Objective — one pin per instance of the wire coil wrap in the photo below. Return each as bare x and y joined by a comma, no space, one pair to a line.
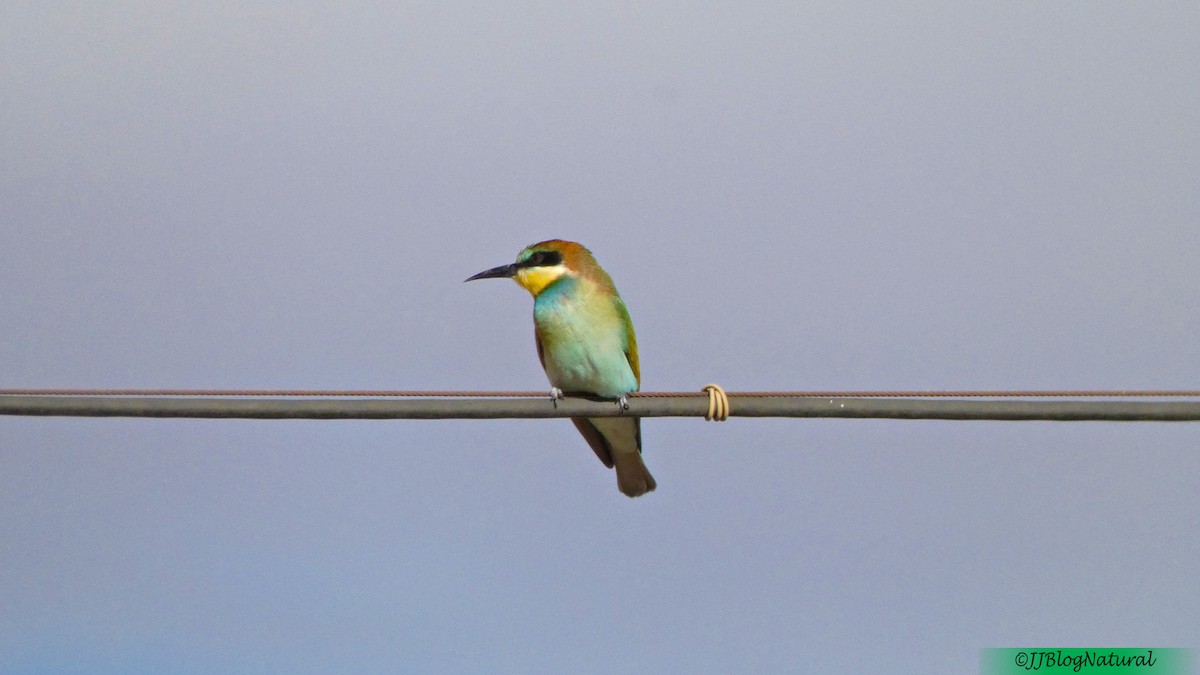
718,403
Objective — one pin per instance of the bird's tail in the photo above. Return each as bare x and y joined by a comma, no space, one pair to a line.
633,478
617,441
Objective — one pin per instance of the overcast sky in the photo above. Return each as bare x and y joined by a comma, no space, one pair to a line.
837,195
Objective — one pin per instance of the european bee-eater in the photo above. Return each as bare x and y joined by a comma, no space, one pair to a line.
586,345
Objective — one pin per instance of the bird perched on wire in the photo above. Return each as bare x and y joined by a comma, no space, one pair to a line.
586,344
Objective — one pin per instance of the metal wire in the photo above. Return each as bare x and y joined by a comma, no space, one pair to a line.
388,393
412,405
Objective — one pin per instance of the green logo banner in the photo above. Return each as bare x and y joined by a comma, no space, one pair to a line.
1096,661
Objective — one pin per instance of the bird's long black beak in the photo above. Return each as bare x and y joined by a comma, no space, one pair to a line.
502,271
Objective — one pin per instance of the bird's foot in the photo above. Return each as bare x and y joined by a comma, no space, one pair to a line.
623,402
556,395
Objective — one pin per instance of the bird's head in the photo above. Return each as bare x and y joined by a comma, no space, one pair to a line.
543,263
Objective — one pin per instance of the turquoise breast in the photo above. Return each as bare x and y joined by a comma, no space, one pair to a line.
583,340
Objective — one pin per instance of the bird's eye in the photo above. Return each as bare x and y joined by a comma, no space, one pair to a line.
537,258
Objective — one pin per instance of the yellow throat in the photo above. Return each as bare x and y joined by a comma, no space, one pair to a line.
536,279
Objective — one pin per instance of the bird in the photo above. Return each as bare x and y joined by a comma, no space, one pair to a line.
586,344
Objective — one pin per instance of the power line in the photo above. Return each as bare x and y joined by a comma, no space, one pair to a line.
420,393
143,403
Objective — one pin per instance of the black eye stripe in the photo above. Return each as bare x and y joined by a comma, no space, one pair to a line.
542,259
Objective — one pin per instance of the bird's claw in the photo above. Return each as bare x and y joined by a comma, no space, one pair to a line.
623,402
556,395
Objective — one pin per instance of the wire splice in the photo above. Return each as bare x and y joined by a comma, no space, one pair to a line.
718,403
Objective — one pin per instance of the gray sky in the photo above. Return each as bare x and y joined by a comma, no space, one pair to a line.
789,196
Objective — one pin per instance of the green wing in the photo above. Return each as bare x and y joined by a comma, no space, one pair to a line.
631,353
